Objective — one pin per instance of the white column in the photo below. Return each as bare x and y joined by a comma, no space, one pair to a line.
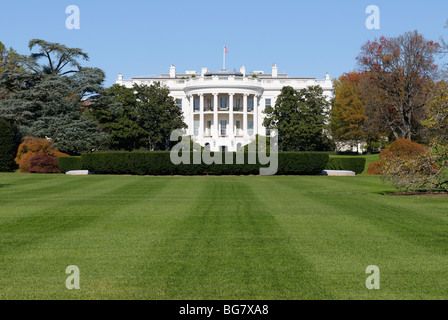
215,133
192,115
255,117
201,115
231,133
245,127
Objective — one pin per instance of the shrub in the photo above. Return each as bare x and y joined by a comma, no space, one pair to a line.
403,149
411,166
69,163
159,163
374,168
7,147
32,146
355,164
44,163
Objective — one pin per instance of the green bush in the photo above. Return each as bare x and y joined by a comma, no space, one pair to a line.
355,164
159,163
8,148
69,163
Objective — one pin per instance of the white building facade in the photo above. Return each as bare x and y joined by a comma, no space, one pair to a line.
224,109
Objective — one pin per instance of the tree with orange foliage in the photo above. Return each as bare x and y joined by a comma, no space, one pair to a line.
347,112
399,71
32,146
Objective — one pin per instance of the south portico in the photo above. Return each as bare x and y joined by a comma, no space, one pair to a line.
224,119
224,110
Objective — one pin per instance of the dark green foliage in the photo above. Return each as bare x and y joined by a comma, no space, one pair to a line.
69,163
47,98
44,163
8,148
159,163
142,116
299,116
355,164
301,163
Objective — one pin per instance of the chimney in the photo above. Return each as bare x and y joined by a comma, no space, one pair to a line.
173,71
119,79
274,71
243,70
203,71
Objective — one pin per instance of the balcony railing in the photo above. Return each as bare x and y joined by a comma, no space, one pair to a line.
235,109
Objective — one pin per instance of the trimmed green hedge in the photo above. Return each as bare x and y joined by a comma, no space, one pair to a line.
355,164
69,163
159,163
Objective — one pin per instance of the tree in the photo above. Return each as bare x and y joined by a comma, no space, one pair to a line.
7,58
350,122
399,72
48,99
117,113
159,115
300,118
7,62
142,116
435,122
347,117
7,147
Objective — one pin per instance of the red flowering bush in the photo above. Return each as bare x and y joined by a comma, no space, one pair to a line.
44,163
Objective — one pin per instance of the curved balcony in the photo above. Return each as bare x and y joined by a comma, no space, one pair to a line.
220,84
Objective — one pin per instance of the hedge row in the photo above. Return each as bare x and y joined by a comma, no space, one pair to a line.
69,163
355,164
159,163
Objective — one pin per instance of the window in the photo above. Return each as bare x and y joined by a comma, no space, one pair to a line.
237,105
223,103
250,129
179,103
208,130
238,128
250,104
209,102
223,148
267,103
196,127
223,127
196,104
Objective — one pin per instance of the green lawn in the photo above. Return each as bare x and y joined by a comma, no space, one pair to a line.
281,237
370,158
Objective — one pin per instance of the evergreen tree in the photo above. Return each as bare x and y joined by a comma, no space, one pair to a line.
48,99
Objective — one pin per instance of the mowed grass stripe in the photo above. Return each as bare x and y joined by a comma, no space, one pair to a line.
253,237
37,247
229,247
369,229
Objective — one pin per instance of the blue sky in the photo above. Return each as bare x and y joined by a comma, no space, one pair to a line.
305,38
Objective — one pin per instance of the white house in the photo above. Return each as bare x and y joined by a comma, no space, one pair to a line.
224,109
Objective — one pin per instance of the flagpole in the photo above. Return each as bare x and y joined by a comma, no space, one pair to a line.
224,58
